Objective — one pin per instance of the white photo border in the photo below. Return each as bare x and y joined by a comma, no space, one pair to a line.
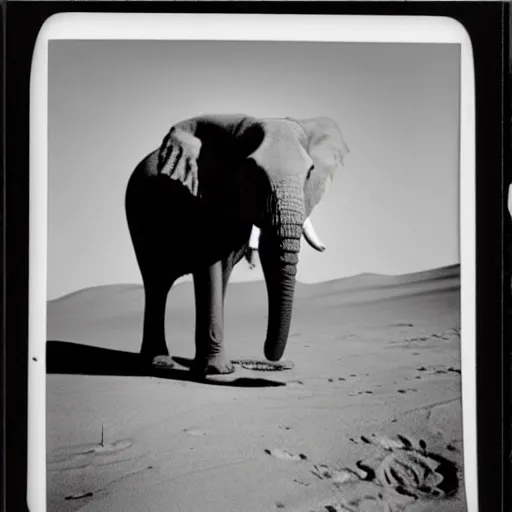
244,27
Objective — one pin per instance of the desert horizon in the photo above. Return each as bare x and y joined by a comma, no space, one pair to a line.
420,274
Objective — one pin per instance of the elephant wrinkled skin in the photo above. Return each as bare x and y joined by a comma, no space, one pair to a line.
191,206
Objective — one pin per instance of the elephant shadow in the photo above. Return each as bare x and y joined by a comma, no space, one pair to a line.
69,358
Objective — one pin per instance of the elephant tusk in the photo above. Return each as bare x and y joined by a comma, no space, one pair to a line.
311,237
509,202
255,238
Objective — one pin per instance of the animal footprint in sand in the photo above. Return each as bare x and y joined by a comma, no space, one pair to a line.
409,469
402,471
413,474
278,453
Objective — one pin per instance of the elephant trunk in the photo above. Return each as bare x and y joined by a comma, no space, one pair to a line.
279,249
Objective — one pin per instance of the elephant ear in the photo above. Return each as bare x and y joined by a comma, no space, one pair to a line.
327,148
177,158
222,137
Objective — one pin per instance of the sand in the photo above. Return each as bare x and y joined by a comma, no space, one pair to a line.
368,419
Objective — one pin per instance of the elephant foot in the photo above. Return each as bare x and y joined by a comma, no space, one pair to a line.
161,362
214,365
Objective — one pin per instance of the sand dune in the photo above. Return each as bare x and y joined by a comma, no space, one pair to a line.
368,419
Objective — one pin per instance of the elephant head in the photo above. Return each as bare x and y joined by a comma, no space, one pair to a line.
297,160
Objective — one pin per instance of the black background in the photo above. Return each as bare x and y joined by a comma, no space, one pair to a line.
487,24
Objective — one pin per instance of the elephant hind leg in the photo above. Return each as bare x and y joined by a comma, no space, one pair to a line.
209,337
154,347
228,265
227,268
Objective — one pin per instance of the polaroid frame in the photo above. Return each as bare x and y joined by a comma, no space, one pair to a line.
265,27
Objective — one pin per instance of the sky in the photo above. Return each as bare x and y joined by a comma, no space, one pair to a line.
392,210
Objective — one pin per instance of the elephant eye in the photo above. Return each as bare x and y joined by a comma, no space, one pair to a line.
311,169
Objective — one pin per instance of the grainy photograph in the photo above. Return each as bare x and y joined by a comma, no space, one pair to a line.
253,277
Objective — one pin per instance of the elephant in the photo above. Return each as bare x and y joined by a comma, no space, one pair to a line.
218,186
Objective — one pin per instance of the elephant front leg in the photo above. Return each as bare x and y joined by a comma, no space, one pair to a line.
209,337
